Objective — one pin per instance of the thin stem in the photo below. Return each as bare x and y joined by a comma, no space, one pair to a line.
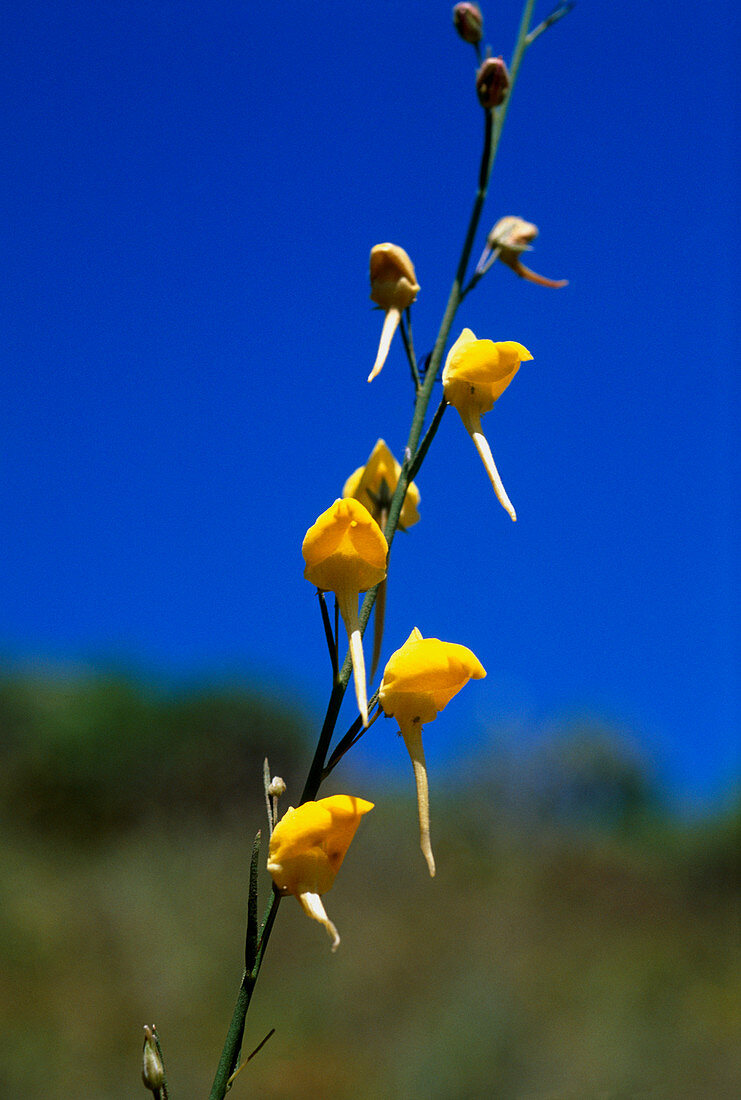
353,735
428,437
556,14
249,1057
406,334
492,132
250,942
233,1043
328,633
314,777
488,257
514,67
266,785
163,1093
378,625
230,1054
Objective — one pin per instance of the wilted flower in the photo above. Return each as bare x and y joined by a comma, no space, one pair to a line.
345,552
374,485
419,680
492,82
307,848
476,373
469,22
393,287
509,238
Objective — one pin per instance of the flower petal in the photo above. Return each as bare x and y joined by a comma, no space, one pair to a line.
345,549
313,907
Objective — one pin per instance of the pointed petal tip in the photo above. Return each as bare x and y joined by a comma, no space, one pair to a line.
390,325
482,446
313,907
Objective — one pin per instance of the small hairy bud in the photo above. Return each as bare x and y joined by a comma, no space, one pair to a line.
277,787
153,1072
492,82
469,22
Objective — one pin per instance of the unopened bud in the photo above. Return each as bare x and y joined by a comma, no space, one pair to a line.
394,287
277,787
492,82
153,1072
468,22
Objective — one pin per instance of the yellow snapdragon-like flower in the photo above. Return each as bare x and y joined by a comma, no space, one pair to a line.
476,373
345,552
307,848
394,287
419,680
374,485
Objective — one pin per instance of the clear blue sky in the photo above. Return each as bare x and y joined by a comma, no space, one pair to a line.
189,198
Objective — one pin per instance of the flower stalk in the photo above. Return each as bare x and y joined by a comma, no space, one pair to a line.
394,299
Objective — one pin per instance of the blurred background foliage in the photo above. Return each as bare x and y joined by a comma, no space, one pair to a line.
580,940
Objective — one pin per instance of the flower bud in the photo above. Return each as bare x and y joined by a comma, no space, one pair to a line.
394,287
277,787
469,22
153,1072
492,82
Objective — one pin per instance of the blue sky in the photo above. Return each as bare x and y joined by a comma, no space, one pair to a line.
190,196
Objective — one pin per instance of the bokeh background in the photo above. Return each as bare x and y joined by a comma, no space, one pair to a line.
189,200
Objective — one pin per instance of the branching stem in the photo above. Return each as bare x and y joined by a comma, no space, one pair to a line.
413,457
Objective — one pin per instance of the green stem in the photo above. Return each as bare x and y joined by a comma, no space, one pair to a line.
406,334
163,1093
235,1034
514,67
428,437
330,636
554,17
492,132
314,777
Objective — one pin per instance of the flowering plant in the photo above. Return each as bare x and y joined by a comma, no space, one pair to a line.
347,550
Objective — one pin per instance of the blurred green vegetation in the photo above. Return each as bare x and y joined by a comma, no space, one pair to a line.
577,942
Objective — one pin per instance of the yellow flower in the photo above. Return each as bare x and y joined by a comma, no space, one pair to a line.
419,680
307,848
476,373
345,552
375,483
394,287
